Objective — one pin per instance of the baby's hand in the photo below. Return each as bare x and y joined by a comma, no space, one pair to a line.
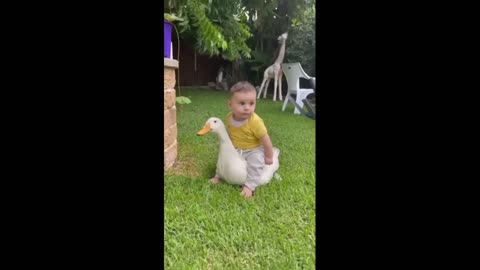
246,192
268,161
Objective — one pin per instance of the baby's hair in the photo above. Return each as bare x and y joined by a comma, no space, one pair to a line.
242,86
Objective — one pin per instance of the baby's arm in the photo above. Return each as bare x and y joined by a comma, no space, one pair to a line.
268,148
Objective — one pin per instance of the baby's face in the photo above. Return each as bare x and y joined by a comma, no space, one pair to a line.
242,104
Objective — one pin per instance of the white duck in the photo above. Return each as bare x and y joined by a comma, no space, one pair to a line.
231,166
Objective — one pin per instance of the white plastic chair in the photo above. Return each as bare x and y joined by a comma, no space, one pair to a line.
293,72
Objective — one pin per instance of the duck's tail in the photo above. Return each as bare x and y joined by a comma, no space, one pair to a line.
269,171
276,153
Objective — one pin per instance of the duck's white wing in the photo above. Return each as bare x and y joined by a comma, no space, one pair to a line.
269,170
232,168
237,175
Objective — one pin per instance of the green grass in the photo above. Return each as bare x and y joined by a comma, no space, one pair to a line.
213,227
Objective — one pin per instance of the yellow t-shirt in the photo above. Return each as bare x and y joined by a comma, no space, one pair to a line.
248,135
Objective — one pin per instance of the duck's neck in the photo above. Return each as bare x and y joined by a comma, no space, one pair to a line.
225,139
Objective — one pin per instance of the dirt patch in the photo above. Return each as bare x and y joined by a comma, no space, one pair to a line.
184,166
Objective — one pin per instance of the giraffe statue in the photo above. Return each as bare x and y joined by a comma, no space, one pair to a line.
275,72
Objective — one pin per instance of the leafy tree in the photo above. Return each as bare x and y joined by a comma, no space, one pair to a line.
271,19
301,41
246,32
217,27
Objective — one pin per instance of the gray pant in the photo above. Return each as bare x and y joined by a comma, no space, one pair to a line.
255,158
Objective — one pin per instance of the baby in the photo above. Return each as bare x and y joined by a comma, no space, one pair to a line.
248,134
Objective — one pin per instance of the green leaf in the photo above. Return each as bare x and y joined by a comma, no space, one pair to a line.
183,100
171,17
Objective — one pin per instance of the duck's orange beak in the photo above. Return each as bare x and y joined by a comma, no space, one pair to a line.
206,129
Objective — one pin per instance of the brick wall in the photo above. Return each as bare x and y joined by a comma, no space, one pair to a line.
169,113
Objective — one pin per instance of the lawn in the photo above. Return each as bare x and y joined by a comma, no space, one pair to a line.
210,226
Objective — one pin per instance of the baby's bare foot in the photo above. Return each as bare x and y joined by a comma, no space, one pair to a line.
215,180
246,192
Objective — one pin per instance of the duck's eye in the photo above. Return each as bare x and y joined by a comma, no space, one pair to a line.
214,121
